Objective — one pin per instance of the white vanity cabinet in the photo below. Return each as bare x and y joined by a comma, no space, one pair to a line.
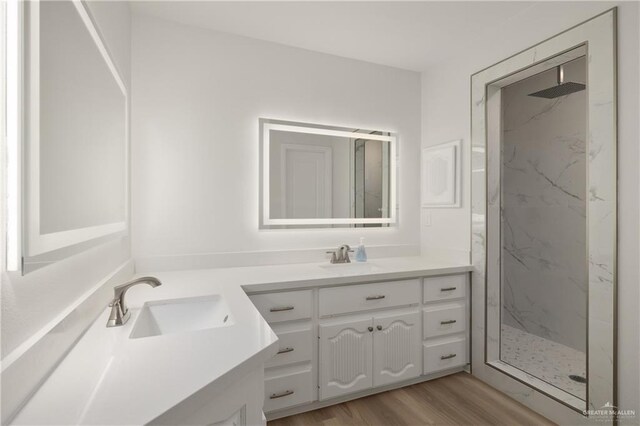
357,354
339,342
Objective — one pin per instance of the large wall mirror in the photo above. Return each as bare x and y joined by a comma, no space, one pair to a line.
76,135
314,175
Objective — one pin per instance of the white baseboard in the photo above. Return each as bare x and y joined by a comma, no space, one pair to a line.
145,264
25,368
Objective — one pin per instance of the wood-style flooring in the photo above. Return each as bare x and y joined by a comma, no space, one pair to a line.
459,399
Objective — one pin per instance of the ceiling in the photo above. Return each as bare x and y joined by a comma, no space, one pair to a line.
410,35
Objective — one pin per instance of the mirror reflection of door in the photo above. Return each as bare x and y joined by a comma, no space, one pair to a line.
310,174
306,177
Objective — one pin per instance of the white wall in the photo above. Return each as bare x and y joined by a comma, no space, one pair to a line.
446,116
197,97
32,302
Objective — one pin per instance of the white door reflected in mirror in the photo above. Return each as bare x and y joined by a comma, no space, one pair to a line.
316,175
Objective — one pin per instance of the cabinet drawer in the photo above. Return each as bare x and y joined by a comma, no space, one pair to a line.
446,354
445,288
286,306
295,344
287,388
355,298
442,319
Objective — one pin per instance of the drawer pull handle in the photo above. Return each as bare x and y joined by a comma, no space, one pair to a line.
378,297
448,289
448,356
281,394
285,350
448,322
283,308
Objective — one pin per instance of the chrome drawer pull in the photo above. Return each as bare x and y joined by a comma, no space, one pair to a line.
448,289
381,296
284,308
448,322
280,395
448,356
284,350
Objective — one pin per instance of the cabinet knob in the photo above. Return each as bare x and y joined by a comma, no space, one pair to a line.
370,328
379,327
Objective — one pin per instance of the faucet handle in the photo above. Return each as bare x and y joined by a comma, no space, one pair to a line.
333,256
118,315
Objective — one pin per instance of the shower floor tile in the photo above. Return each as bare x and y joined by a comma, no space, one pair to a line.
545,359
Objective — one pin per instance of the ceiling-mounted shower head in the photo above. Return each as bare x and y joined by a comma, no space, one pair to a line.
561,89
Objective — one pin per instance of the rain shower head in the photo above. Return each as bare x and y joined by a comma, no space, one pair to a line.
561,89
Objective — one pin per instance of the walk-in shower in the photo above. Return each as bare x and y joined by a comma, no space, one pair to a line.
543,184
543,226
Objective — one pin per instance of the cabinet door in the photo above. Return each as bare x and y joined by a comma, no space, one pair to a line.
396,347
345,357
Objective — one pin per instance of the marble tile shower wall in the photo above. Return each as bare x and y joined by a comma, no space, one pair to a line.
544,267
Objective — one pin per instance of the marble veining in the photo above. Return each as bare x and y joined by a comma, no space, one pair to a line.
543,206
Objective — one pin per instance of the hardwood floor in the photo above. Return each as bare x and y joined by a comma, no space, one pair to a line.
459,399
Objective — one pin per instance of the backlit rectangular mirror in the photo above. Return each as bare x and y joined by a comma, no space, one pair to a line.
76,145
325,176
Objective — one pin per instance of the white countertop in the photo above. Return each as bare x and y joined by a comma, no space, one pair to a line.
304,275
108,378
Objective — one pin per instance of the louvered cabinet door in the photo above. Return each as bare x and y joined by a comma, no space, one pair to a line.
345,357
397,347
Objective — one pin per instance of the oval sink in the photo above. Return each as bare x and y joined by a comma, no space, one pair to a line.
181,315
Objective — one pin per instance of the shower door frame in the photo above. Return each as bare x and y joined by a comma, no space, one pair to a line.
597,39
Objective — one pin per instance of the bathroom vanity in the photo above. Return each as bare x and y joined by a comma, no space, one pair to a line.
362,334
306,336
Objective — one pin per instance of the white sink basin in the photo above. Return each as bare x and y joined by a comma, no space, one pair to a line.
353,268
181,315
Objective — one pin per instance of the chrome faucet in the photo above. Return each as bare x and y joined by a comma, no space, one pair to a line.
119,312
341,255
